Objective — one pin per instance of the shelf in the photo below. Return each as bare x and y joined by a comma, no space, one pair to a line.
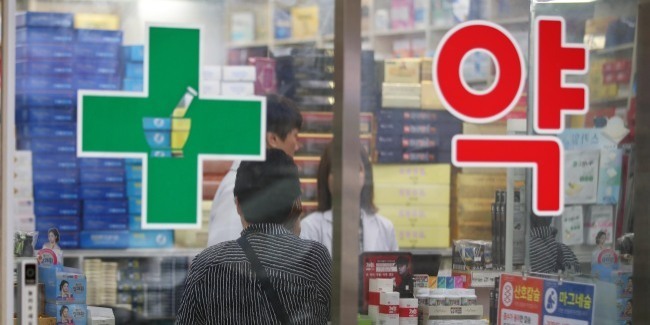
441,28
444,252
613,50
609,101
479,278
454,312
241,45
132,252
400,32
292,41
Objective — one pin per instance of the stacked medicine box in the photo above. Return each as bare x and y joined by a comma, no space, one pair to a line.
45,119
133,56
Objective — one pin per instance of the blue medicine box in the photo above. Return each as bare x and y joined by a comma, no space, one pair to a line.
105,207
66,224
94,67
67,239
44,19
99,83
134,189
61,130
57,208
31,35
133,173
102,191
158,139
118,222
156,124
64,176
135,222
151,239
45,115
63,285
101,163
56,192
46,99
44,51
133,161
48,161
130,84
32,67
44,83
116,239
105,175
77,312
97,51
133,53
99,36
135,205
134,70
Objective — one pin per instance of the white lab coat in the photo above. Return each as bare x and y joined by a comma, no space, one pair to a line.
378,232
225,223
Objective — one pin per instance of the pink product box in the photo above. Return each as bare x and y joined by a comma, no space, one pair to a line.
402,15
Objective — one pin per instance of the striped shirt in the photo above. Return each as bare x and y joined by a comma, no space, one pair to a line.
221,287
549,256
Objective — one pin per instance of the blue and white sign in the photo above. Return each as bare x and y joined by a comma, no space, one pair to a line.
568,303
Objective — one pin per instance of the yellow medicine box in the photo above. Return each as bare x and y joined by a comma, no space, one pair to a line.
416,215
412,174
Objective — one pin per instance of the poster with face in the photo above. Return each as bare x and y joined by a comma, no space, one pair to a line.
388,265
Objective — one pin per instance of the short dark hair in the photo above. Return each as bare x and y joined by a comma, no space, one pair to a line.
55,232
62,283
402,260
282,115
267,190
324,194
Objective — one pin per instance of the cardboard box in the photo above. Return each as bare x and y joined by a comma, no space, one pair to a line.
44,19
43,224
412,174
599,218
102,191
135,222
305,21
402,14
266,80
211,73
57,208
238,73
191,238
422,237
429,96
237,89
401,102
105,175
104,239
105,207
68,239
478,186
63,286
134,189
401,90
99,36
412,194
399,156
151,239
109,222
96,21
416,215
402,71
426,70
77,313
242,26
135,205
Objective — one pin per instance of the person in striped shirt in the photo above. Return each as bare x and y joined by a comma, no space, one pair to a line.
292,283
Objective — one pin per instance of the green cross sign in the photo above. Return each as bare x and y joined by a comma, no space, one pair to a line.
171,127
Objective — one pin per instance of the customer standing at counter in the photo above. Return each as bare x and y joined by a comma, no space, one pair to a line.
376,232
283,122
269,275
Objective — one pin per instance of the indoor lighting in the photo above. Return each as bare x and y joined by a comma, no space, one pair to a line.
563,1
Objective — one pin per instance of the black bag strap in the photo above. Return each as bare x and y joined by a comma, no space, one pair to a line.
268,288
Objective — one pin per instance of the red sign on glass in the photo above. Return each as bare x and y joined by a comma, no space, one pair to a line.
554,99
520,300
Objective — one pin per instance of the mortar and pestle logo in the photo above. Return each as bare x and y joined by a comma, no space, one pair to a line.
167,136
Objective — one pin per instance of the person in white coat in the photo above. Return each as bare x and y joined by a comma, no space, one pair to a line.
283,122
377,234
